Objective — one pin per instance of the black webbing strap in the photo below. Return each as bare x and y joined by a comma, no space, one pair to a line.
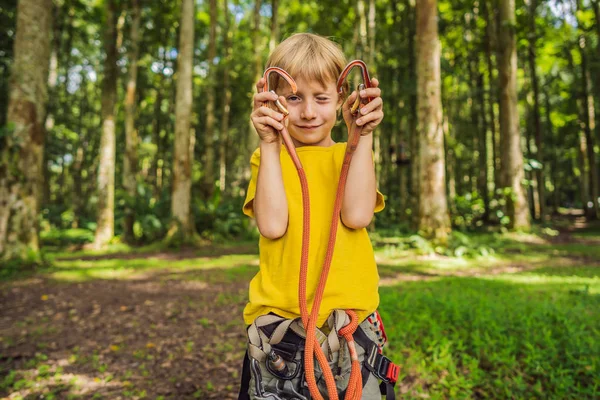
387,389
245,385
379,365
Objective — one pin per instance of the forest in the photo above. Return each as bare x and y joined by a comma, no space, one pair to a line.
125,145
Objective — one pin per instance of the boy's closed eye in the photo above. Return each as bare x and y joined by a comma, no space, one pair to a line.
296,98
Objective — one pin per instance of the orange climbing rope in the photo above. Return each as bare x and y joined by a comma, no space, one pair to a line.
309,320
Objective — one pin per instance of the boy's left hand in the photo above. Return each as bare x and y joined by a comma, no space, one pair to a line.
370,114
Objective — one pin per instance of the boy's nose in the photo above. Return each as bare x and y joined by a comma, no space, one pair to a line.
308,112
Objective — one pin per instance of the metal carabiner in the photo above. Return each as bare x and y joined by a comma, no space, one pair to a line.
261,394
288,79
366,82
357,132
287,140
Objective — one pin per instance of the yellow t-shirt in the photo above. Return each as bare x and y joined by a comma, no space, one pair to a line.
353,278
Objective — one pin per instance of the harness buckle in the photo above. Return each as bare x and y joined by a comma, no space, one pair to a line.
392,372
382,367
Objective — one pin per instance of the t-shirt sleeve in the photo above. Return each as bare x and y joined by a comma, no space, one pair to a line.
248,208
380,202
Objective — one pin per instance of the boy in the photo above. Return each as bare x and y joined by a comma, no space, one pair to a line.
274,198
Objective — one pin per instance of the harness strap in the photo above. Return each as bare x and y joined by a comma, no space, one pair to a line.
278,330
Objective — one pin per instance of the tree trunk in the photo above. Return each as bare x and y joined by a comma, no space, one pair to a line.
412,116
596,7
77,197
512,156
434,220
130,160
21,156
224,142
156,129
537,123
552,169
209,133
182,163
258,70
482,176
488,114
490,44
106,172
589,123
50,109
274,38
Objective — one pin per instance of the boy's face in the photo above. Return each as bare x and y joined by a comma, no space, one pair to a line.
313,112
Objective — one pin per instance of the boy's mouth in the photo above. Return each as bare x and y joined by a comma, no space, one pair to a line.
308,127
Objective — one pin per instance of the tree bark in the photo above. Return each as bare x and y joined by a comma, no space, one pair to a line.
182,163
224,142
596,7
552,170
537,122
274,38
258,70
106,172
130,160
363,41
434,221
412,116
209,133
589,123
22,154
50,107
490,44
77,197
482,176
512,156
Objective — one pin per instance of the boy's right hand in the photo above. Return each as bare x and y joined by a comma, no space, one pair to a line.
267,121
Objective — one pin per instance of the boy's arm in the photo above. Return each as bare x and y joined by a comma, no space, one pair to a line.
270,202
360,194
360,197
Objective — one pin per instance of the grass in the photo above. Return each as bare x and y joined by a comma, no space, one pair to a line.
529,335
514,316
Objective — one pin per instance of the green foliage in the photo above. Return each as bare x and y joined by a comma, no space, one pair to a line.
151,210
459,244
14,268
65,237
469,211
222,218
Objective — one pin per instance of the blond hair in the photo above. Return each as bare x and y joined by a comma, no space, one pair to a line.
310,56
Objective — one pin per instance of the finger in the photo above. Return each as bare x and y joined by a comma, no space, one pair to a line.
260,85
266,111
374,82
269,122
349,101
374,116
263,97
283,101
374,104
371,92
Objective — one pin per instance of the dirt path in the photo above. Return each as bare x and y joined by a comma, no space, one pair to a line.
181,339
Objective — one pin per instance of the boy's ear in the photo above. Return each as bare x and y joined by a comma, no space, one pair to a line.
339,102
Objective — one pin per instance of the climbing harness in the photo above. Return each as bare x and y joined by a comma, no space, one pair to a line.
287,335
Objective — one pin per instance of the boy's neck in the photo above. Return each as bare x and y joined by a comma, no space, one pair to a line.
327,142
